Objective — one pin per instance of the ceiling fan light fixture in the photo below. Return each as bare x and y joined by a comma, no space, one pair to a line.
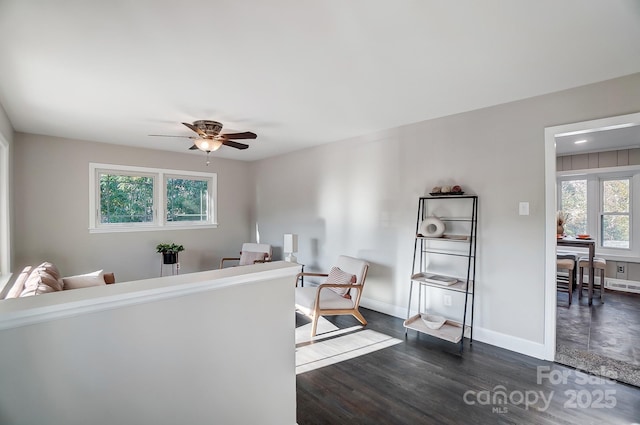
208,145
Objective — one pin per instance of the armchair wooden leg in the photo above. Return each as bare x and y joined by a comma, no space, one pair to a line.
314,325
360,317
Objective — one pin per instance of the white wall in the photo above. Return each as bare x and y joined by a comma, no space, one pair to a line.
6,195
6,130
51,210
359,197
205,348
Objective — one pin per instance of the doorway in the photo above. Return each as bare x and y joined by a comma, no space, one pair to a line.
580,316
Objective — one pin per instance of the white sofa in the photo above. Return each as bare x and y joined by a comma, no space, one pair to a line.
46,278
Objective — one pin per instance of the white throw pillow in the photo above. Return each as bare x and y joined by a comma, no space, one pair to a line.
84,280
337,275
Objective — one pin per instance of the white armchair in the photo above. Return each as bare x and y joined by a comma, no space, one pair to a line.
251,253
340,294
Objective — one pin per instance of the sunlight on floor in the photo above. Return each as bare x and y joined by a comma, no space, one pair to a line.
338,348
325,330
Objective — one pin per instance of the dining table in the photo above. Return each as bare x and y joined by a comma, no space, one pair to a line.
588,243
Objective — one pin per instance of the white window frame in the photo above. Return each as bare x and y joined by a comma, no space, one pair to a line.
594,178
601,213
165,190
159,196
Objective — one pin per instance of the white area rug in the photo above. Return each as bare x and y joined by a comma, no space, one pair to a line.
325,330
339,345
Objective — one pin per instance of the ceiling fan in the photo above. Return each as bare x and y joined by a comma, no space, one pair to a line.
209,139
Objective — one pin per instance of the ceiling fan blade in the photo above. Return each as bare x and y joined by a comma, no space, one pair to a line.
192,148
233,144
194,128
238,136
168,135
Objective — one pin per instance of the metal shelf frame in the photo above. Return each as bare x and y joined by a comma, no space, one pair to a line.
423,248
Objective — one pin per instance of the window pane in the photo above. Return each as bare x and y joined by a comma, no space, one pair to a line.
615,196
126,198
574,206
187,200
615,209
615,231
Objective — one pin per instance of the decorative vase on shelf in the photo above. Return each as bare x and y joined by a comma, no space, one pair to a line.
432,227
561,218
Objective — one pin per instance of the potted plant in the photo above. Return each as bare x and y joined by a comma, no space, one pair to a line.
169,252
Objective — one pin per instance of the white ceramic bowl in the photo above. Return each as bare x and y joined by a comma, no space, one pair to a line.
432,321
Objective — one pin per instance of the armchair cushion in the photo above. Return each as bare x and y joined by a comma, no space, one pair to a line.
257,247
329,300
337,275
249,257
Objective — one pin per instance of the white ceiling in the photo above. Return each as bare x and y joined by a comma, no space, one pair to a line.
599,140
297,73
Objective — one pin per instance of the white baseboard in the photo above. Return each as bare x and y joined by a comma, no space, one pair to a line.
508,342
379,306
622,285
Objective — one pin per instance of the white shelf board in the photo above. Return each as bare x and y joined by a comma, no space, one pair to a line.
445,237
455,218
459,285
451,330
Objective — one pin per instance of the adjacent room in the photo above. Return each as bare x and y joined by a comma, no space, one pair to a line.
597,175
319,213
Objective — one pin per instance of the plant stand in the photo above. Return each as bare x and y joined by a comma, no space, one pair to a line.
170,259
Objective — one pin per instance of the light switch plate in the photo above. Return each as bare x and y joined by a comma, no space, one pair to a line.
524,208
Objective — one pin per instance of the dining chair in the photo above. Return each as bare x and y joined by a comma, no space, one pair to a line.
573,256
598,264
565,284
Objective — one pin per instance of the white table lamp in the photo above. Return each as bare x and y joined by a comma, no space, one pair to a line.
290,246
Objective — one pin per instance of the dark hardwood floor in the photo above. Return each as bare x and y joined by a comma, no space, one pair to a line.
423,380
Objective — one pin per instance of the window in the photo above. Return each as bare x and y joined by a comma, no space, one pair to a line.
125,198
187,199
573,203
136,198
601,204
615,217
